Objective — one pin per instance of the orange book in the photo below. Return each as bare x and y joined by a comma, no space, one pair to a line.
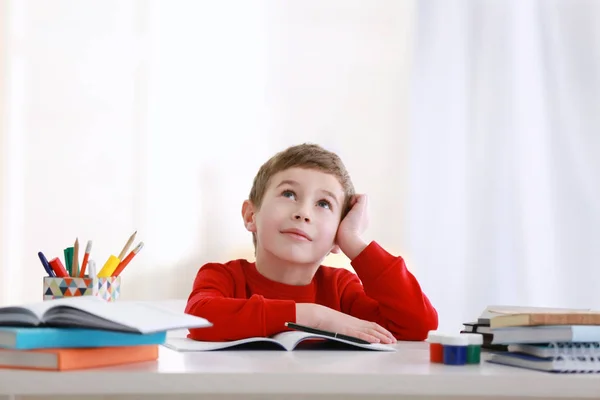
76,358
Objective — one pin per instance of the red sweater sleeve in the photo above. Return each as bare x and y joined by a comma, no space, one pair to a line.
389,295
213,298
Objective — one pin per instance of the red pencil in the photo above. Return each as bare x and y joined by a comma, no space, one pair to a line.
127,259
88,249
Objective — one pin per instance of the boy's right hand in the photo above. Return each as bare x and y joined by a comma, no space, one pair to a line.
327,319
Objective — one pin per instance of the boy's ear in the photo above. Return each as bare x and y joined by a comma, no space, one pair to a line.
248,214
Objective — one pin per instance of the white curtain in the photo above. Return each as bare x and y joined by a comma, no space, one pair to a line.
155,115
504,192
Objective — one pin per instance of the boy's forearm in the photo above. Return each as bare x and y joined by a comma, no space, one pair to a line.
234,319
353,247
307,314
403,307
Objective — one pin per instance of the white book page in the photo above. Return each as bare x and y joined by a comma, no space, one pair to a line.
138,315
370,346
143,317
41,307
186,344
287,340
290,339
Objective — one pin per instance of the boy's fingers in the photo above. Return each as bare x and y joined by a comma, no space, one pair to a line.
366,336
385,332
382,338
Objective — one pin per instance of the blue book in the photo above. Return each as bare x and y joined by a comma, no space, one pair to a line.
24,338
546,334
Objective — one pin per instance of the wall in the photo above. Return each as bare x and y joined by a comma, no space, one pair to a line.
155,116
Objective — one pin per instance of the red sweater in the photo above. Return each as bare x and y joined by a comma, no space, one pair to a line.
242,303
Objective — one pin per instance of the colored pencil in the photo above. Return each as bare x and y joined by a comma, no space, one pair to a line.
86,256
127,259
127,246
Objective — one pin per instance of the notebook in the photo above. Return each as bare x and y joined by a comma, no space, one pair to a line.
25,338
288,340
95,313
564,363
557,349
546,334
73,359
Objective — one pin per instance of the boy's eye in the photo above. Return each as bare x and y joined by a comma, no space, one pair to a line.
288,193
324,204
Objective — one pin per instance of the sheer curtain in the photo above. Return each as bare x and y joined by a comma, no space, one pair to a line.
123,115
504,200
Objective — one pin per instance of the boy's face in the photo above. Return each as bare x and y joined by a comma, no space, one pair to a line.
299,215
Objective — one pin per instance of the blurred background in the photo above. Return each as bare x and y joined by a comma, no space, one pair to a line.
474,126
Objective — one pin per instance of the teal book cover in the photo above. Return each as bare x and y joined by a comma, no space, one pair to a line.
27,338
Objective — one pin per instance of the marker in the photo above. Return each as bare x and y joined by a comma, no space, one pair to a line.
109,267
69,260
92,269
58,268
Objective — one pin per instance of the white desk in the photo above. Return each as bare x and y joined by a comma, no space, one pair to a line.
298,375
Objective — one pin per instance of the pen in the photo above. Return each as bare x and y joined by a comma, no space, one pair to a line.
325,333
46,265
88,250
127,259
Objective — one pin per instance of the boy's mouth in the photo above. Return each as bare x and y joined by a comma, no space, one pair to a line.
297,233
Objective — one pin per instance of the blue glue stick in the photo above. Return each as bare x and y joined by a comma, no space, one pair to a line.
455,349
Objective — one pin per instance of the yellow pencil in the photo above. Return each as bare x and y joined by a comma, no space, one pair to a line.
127,246
76,258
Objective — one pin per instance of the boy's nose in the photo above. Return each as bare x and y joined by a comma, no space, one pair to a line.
301,216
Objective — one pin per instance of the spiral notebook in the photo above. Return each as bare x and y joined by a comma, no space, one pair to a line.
552,357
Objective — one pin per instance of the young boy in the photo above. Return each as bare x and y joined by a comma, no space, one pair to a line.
301,207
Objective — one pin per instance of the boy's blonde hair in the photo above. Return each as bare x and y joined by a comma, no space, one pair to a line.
308,156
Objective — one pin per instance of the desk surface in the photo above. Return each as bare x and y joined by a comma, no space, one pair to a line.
406,372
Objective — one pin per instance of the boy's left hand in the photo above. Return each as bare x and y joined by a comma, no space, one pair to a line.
349,233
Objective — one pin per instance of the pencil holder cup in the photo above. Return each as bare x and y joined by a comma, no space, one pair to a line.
107,289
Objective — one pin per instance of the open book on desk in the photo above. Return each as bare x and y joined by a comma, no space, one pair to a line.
94,313
288,340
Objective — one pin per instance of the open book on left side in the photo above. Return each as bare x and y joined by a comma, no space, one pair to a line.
288,340
95,313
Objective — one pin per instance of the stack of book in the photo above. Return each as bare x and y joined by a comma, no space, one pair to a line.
482,326
85,332
553,340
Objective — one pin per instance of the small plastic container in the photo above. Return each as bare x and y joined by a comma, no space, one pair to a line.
436,348
474,347
455,349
